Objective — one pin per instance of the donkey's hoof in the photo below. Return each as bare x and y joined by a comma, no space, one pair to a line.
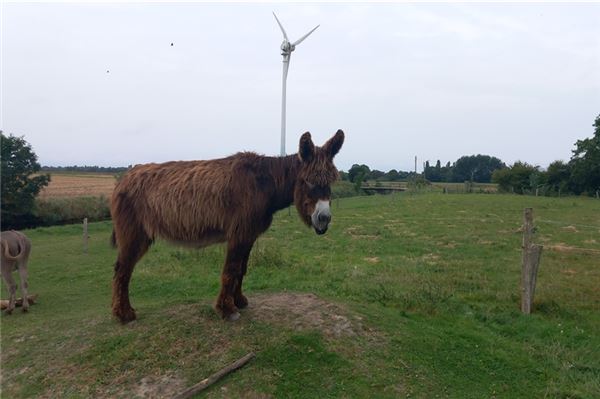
125,316
9,311
233,317
25,310
241,302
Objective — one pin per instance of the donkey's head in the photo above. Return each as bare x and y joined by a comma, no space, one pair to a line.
312,192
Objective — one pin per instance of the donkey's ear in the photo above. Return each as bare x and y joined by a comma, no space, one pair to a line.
333,145
307,148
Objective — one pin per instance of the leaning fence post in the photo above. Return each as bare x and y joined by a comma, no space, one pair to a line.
531,260
85,235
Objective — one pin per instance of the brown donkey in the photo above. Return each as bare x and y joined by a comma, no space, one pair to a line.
233,199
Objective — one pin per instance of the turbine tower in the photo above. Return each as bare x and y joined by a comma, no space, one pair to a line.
286,52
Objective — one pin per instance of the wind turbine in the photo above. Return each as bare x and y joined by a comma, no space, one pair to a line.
286,52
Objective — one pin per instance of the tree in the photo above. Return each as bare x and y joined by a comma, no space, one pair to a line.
434,173
19,183
558,176
520,177
392,175
478,168
359,170
585,163
377,174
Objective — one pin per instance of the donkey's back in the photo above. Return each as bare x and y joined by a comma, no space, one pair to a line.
191,202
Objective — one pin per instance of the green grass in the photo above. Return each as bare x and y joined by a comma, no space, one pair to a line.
429,283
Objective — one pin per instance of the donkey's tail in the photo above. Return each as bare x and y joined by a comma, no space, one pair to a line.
113,239
7,254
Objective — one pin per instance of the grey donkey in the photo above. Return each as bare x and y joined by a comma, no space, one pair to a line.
15,249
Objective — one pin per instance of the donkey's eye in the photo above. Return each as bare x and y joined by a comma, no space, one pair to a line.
310,186
318,191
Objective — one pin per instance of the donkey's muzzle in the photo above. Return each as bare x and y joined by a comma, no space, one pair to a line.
319,231
321,217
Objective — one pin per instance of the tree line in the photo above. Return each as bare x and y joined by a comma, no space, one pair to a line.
475,168
86,168
579,176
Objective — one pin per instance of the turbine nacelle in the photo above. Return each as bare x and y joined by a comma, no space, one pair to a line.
287,48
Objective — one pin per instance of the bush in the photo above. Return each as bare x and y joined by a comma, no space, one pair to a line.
54,211
520,178
344,189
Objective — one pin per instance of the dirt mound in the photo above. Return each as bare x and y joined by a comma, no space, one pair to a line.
304,312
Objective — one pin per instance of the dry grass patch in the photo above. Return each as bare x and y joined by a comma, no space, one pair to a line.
571,229
68,185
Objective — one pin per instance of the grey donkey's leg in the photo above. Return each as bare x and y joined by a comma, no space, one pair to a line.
24,286
10,284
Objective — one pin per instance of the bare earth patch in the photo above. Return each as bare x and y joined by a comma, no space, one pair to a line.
569,272
304,311
165,386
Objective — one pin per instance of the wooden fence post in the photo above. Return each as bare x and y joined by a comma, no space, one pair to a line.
531,260
85,235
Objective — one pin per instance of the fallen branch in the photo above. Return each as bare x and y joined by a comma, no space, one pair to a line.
202,385
19,302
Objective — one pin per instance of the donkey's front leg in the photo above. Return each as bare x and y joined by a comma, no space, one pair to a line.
240,299
231,279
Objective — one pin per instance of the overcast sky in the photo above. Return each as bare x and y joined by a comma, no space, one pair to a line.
100,84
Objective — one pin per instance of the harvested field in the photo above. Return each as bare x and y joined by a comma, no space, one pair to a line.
77,185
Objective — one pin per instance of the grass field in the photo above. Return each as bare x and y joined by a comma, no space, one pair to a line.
78,184
405,296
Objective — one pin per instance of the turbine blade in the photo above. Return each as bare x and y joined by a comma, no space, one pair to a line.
297,42
281,27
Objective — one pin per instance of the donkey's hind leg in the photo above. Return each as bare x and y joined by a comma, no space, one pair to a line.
7,268
24,285
231,277
131,250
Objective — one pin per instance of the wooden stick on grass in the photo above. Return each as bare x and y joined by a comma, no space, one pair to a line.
18,302
202,385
